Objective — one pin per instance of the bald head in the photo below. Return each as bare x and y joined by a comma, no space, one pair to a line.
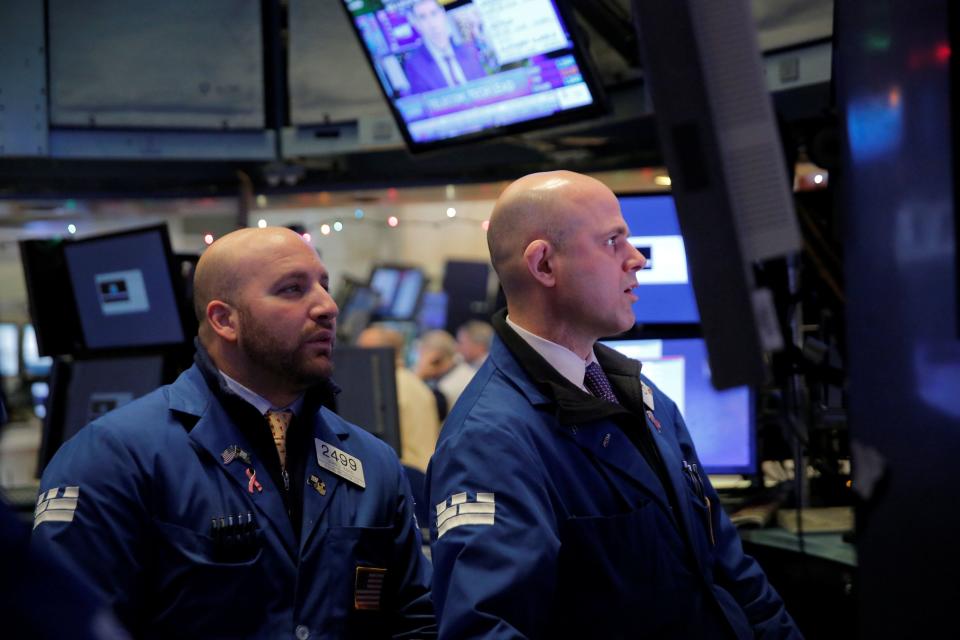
229,262
539,206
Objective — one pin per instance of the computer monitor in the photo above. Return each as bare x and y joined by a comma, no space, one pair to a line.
399,289
665,293
83,390
127,290
461,71
356,311
34,365
433,311
721,423
9,349
368,396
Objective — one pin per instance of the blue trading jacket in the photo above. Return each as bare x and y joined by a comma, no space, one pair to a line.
134,503
550,524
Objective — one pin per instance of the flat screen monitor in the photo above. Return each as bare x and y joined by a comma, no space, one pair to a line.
83,390
398,290
368,396
459,70
34,365
721,423
127,289
9,349
356,311
665,293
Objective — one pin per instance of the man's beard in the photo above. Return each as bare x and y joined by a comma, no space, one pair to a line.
260,346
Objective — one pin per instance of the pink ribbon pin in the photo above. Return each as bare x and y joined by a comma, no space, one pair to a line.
253,484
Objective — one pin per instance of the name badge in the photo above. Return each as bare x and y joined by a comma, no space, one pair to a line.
647,396
340,462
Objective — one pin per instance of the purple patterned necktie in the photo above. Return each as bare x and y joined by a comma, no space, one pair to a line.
596,382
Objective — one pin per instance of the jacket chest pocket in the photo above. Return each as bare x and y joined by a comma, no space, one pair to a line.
193,571
616,570
354,565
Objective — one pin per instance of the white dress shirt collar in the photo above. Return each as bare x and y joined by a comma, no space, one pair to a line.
262,404
566,362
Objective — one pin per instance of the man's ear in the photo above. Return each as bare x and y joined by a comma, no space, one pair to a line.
222,318
538,257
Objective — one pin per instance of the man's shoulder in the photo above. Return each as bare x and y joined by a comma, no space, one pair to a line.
137,419
360,440
492,402
127,437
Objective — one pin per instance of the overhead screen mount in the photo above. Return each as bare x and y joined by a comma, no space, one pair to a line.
455,72
716,127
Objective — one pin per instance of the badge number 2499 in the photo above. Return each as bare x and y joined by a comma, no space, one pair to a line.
340,462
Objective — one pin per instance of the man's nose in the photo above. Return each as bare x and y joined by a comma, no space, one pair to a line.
636,261
323,305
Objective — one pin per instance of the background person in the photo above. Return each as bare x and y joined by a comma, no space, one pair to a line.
473,342
440,366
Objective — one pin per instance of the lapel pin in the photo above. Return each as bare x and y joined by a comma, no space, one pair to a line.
319,485
253,484
234,452
654,420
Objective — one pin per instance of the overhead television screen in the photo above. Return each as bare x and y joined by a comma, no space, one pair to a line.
465,69
721,423
665,293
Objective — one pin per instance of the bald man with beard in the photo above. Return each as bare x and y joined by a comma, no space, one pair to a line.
569,498
233,502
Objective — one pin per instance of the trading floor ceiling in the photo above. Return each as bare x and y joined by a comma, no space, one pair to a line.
625,137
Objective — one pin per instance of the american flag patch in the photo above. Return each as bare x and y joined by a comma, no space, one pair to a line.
368,588
56,505
458,510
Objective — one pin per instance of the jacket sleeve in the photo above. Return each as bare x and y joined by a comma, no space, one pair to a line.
738,573
413,611
90,515
494,537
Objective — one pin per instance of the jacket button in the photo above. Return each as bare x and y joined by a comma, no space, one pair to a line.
302,632
606,440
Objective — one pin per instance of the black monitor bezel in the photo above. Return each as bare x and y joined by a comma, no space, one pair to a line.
599,106
50,297
381,360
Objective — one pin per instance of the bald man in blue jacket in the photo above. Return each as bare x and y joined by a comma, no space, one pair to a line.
567,495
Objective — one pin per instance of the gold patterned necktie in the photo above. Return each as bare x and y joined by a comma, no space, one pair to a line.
279,421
